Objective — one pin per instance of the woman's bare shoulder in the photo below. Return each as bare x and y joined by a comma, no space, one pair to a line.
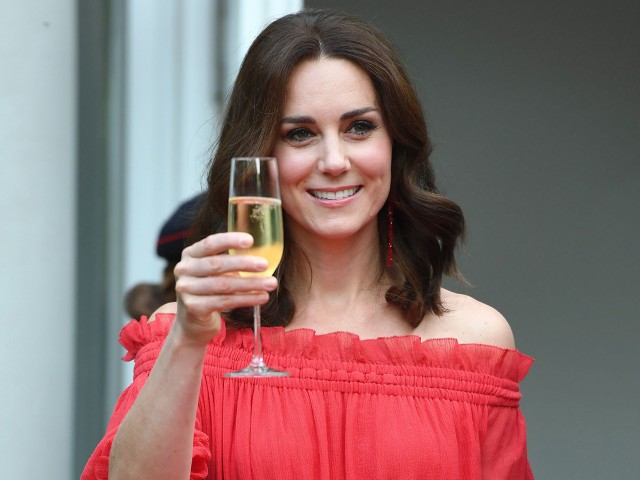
476,322
166,308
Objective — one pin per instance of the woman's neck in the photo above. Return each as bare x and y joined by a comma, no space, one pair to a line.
336,266
338,285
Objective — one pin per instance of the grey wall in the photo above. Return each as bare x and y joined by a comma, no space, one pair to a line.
534,112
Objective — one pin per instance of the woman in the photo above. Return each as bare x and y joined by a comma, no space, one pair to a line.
391,375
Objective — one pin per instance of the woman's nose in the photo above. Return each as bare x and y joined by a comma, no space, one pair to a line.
334,159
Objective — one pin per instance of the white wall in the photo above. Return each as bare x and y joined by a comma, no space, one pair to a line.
37,205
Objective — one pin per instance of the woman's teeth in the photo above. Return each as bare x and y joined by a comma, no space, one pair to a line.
334,195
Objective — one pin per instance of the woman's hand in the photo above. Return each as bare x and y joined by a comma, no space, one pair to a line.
208,283
155,439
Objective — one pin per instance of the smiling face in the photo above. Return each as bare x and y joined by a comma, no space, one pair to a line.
333,151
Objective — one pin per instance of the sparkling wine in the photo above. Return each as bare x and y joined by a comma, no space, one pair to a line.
262,218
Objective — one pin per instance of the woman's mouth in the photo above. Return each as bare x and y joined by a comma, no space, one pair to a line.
334,195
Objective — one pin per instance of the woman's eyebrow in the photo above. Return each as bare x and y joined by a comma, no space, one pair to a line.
357,112
345,116
302,119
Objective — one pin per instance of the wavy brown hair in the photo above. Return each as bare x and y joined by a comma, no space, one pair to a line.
427,225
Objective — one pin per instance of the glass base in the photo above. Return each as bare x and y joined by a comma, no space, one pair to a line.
253,371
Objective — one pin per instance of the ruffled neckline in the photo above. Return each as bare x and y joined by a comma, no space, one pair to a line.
344,347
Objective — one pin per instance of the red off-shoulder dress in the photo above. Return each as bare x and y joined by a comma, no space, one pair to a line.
388,408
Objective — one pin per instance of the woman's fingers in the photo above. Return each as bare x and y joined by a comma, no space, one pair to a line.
224,285
208,279
208,257
218,243
219,264
199,307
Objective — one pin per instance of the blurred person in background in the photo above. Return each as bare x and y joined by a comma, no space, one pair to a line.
145,298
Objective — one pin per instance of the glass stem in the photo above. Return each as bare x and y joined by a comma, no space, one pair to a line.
257,361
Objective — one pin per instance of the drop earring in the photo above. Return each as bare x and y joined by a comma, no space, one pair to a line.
389,235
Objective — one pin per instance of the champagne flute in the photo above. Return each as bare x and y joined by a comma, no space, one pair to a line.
255,208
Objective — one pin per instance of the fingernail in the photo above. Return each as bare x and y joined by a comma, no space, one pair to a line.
270,283
245,241
262,263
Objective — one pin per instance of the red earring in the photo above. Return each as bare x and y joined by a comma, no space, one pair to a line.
389,235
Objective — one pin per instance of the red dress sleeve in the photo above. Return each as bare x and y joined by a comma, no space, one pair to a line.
504,450
504,444
143,342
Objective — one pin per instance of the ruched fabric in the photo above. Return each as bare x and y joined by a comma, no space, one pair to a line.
387,408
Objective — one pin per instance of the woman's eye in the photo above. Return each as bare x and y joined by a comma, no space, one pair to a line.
299,135
361,128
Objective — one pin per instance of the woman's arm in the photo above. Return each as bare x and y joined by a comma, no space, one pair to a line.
155,439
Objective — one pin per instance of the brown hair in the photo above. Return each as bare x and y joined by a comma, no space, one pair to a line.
427,225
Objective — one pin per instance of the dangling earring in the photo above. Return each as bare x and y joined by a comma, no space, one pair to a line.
389,235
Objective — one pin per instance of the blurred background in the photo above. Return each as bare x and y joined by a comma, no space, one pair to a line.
109,110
